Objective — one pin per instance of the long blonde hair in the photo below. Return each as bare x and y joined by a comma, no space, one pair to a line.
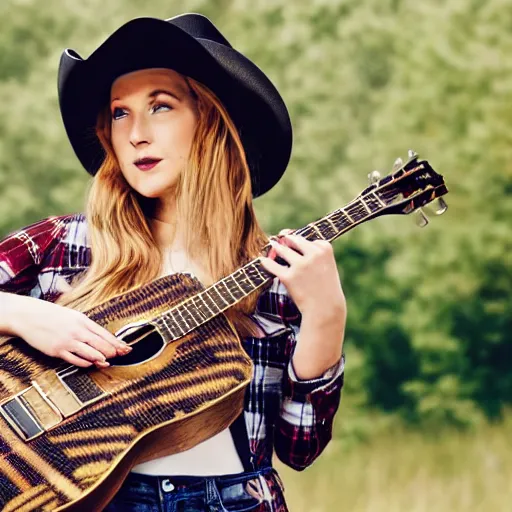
213,195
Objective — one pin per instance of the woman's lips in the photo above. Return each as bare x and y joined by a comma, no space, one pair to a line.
146,166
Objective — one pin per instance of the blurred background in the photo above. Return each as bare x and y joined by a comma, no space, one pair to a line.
425,420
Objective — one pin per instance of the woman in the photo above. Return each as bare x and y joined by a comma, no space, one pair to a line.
180,132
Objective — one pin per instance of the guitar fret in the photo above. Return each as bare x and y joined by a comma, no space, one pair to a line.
188,316
175,324
379,200
357,211
235,280
168,319
366,206
320,235
233,287
222,300
352,212
231,299
173,330
228,295
327,226
345,219
178,311
328,219
349,217
160,322
260,275
202,305
249,275
208,306
197,305
248,281
371,203
307,231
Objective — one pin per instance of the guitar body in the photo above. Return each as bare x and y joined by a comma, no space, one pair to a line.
69,435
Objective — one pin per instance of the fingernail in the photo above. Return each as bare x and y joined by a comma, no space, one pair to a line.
103,363
127,349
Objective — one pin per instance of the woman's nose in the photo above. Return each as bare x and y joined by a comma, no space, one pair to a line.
140,131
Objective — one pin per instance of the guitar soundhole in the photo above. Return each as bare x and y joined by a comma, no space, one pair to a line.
146,344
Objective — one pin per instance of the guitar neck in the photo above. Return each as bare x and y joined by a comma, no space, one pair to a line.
344,219
407,189
233,288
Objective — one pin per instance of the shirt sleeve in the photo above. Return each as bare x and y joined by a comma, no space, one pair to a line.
304,426
22,253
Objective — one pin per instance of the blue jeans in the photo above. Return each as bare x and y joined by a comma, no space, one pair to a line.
244,492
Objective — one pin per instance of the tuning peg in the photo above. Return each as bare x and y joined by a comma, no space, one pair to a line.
441,206
421,218
412,154
374,177
398,163
437,207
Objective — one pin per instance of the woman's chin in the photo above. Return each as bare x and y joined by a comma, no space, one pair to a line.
154,192
151,194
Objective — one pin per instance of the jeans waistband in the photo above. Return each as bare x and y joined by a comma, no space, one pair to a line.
171,482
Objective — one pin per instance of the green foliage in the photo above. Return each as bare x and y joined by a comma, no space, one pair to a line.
429,310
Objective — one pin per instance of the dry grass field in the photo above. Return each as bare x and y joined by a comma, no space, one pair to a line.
407,472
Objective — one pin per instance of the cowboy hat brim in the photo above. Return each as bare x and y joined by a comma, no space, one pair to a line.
250,98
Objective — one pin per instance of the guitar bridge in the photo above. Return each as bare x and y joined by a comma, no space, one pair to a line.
23,419
32,412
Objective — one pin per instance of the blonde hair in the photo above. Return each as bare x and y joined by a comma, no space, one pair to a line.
213,195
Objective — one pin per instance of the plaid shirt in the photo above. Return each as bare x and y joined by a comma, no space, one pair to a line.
282,413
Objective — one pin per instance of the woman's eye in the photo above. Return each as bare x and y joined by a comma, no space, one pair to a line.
118,112
158,106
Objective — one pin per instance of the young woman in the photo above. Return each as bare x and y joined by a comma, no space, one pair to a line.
181,132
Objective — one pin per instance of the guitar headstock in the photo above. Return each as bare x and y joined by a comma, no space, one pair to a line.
408,188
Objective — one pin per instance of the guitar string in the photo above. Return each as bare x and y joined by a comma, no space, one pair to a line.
357,214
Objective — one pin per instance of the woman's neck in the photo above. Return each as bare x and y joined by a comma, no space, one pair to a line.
164,223
166,234
166,210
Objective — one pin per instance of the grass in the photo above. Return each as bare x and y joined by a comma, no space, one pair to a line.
402,471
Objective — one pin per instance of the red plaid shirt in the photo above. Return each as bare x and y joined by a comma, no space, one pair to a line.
292,417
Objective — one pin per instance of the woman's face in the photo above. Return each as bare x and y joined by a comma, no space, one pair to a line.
153,117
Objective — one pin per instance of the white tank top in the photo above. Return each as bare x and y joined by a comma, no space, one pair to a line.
215,456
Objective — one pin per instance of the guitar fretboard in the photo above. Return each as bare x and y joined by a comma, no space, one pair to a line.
225,293
205,305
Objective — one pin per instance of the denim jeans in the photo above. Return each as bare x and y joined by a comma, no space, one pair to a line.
245,492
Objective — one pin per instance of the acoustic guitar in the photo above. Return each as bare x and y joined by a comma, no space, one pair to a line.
70,435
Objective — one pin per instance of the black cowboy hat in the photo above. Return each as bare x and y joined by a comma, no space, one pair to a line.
191,45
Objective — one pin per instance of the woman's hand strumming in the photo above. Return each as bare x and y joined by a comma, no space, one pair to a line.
62,332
